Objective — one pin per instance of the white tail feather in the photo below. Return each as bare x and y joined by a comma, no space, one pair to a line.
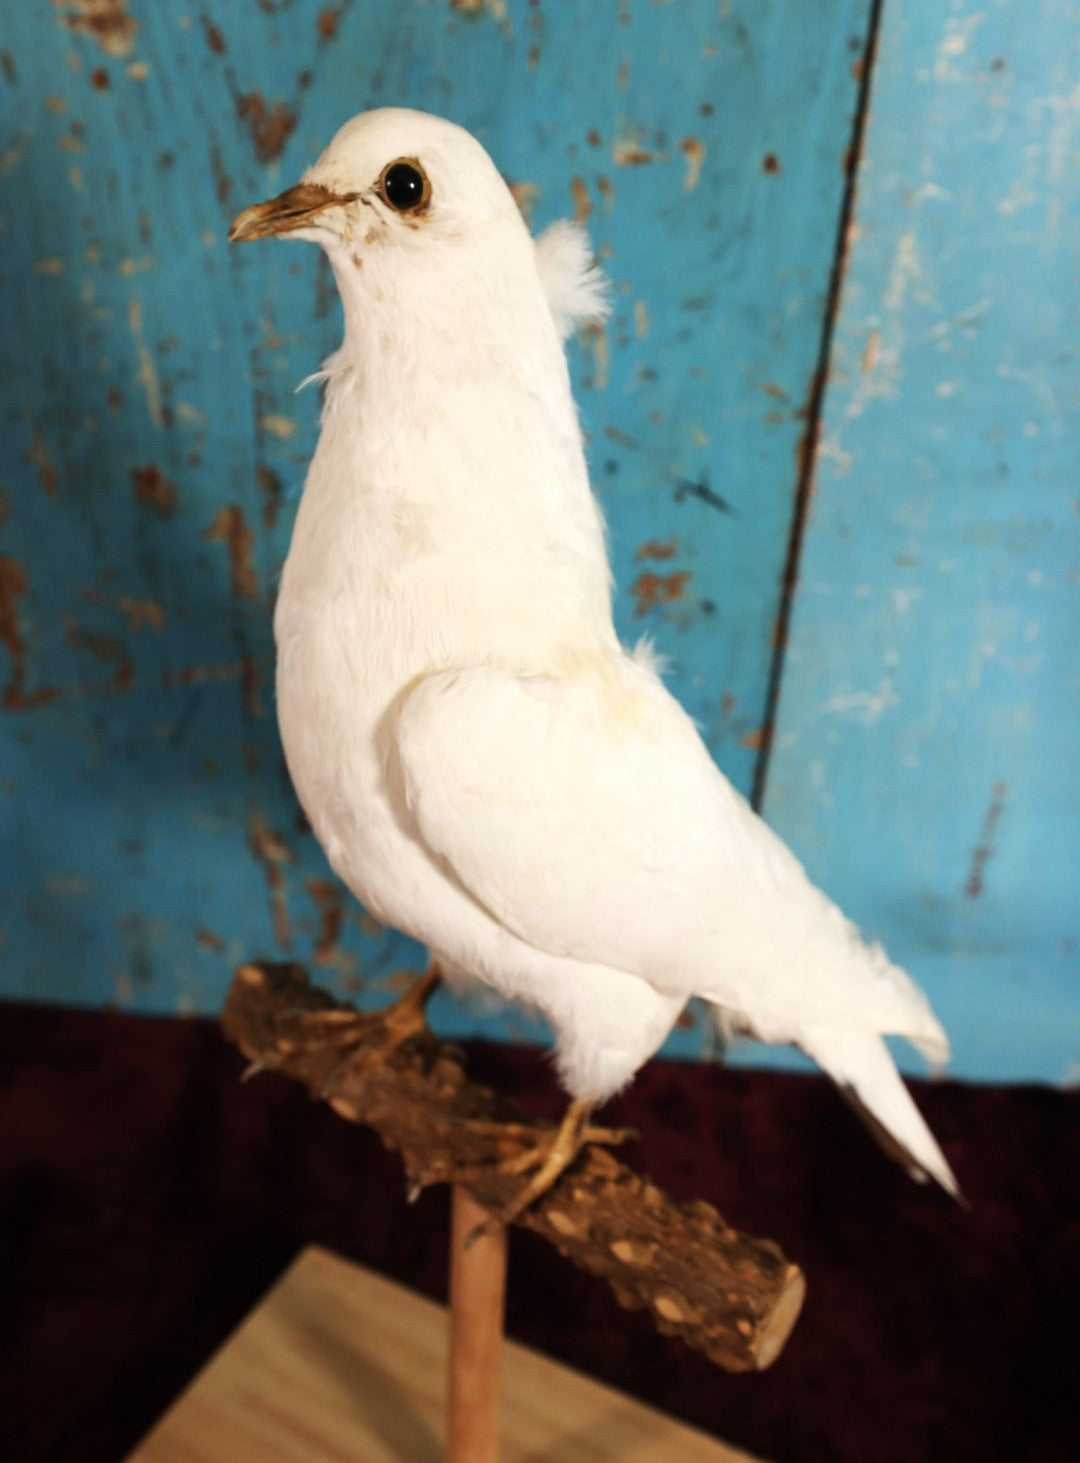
864,1071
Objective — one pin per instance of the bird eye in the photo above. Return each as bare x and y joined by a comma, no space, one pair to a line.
404,185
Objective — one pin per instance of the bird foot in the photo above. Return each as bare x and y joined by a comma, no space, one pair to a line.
539,1143
267,1062
353,1031
549,1155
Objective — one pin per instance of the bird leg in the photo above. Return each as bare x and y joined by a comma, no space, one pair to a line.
407,1015
530,1133
550,1157
351,1031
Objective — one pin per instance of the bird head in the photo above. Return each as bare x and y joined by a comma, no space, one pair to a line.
393,181
428,245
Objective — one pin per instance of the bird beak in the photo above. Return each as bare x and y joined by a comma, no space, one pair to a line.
291,210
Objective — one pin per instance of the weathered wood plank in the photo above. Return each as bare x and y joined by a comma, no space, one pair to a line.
927,741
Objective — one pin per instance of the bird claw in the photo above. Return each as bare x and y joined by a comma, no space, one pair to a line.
530,1132
266,1062
354,1060
609,1137
548,1157
352,1031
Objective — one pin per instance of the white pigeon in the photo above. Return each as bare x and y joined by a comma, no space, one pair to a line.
486,767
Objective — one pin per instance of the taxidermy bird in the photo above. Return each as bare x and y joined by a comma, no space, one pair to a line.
486,767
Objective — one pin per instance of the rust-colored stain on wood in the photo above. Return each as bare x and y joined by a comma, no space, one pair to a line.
328,900
249,687
266,845
495,8
595,340
140,612
272,853
327,22
582,201
222,181
214,38
231,528
152,488
693,149
106,648
38,454
106,20
627,153
525,195
270,486
652,590
13,586
271,127
657,548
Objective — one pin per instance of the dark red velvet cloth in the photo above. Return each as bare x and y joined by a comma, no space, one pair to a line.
148,1198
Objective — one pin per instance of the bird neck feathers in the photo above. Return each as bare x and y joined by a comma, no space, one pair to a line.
450,437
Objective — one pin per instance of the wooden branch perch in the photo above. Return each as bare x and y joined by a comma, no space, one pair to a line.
734,1297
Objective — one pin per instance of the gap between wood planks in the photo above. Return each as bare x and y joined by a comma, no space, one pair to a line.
807,449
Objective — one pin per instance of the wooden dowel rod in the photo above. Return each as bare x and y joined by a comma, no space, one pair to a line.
477,1294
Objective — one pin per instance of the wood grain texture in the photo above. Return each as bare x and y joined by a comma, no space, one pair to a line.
925,762
153,445
338,1363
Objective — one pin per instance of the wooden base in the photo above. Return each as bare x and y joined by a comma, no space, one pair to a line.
337,1363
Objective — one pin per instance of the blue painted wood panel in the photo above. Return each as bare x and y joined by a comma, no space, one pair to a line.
153,445
927,745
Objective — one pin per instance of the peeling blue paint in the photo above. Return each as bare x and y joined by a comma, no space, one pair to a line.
927,741
153,446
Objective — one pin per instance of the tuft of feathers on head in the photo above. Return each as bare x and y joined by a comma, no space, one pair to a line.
578,293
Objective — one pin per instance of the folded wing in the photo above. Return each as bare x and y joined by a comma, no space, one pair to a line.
585,813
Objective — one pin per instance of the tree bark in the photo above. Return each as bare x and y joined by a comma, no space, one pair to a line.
732,1296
